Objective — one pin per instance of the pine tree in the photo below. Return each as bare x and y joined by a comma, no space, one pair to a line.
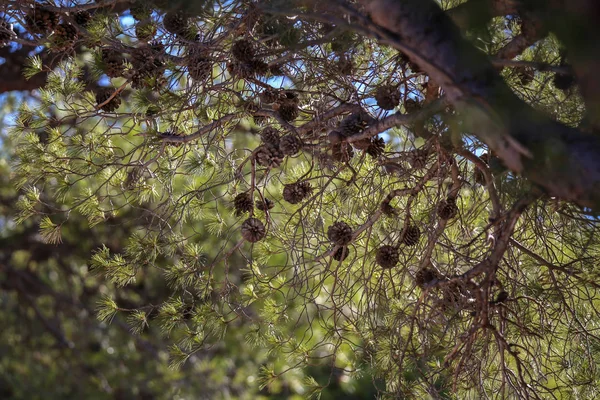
310,176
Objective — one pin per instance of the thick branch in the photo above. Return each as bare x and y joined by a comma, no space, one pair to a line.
477,12
560,159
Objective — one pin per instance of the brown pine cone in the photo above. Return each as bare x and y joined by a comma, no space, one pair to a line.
340,233
253,230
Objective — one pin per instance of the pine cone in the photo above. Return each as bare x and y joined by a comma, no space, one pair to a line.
411,235
412,105
294,193
376,148
177,23
268,156
7,34
259,67
64,37
82,18
42,21
426,275
243,50
148,65
104,94
113,63
265,205
243,203
418,158
287,106
447,209
253,230
342,152
290,145
340,233
563,81
387,209
289,112
341,254
387,256
270,137
387,97
355,123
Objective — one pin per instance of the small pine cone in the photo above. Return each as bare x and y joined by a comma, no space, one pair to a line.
341,254
265,205
563,81
243,50
7,34
342,152
340,233
145,32
287,106
258,67
64,37
294,193
176,23
290,145
82,18
411,235
277,70
376,148
270,137
114,63
253,230
355,123
387,209
447,209
418,158
289,112
39,20
268,156
387,97
243,203
412,105
199,65
387,256
104,94
426,275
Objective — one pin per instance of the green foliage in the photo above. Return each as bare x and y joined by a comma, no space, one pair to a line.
189,307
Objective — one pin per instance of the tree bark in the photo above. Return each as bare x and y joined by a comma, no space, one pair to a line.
563,161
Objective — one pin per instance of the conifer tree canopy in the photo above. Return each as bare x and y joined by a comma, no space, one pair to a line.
401,193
